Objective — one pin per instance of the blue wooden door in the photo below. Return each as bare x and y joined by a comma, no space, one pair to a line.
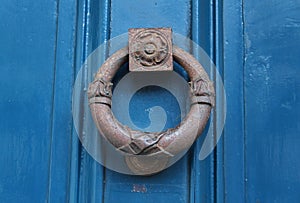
255,46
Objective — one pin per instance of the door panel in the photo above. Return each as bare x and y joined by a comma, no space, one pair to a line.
27,56
255,46
233,151
60,156
174,184
272,88
261,136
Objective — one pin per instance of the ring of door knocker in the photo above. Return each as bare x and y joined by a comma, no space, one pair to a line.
151,49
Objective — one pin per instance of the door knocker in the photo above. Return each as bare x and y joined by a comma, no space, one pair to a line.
151,49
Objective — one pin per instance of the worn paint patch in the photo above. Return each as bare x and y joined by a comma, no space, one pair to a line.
139,188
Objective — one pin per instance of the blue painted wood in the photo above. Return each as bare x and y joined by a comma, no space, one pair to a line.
92,30
218,46
62,115
42,47
202,177
172,185
272,105
72,174
150,14
28,58
233,152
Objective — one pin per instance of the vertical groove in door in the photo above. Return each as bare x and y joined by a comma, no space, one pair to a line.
62,118
76,145
203,172
243,36
234,166
86,179
50,163
219,62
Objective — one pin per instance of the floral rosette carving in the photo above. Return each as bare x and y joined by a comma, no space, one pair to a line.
150,49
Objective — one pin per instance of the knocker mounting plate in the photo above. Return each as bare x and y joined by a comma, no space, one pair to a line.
150,49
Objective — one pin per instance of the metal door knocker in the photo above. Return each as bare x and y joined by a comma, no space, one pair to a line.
151,49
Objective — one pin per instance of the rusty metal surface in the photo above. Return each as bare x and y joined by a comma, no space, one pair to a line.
147,152
150,49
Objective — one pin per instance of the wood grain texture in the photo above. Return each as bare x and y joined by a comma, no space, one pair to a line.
28,58
61,134
233,152
272,105
86,181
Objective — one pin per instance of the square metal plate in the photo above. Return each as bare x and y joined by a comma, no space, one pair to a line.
150,49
